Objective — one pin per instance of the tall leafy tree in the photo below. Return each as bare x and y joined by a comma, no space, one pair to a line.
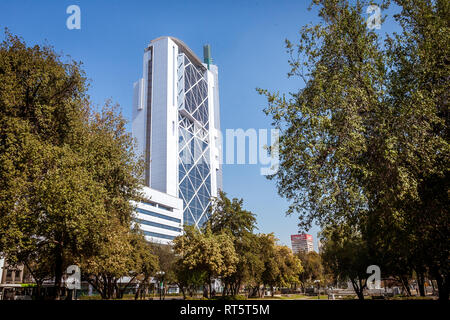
49,200
290,267
124,253
228,215
346,255
365,142
312,268
68,173
213,254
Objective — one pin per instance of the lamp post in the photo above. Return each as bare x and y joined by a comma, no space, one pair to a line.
160,274
318,288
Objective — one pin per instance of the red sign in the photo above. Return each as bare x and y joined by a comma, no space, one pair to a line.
301,237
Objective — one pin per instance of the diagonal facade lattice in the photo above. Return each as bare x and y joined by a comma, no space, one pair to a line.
194,171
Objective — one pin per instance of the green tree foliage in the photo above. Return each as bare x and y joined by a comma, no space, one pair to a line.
147,262
229,216
313,268
67,173
290,267
124,253
227,249
213,254
167,263
189,281
365,141
258,255
346,254
281,267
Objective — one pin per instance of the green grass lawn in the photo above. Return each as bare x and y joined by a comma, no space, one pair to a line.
283,297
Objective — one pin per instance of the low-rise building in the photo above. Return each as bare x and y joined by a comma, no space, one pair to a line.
160,217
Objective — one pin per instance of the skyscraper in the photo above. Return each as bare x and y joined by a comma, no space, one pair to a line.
176,122
302,242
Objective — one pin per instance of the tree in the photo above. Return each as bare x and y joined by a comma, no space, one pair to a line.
41,107
346,255
312,268
290,267
49,201
419,86
147,263
122,250
365,142
250,266
260,259
124,253
167,259
213,254
270,269
189,280
66,171
114,260
229,216
324,125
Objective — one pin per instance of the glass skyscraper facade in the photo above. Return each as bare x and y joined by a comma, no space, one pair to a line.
176,125
194,156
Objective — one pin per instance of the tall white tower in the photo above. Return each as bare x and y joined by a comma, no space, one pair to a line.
176,124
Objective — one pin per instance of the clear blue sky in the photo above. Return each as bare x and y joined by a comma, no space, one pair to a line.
246,38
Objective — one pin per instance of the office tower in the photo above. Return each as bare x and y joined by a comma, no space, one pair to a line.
302,242
176,123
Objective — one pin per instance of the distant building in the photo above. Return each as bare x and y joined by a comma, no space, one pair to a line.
320,246
302,242
11,274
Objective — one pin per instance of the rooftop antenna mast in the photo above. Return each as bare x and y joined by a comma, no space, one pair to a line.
207,55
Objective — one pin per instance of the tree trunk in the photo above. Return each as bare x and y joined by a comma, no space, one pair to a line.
443,286
254,291
105,288
116,291
359,293
58,272
421,283
183,292
434,288
405,285
359,290
110,287
210,289
38,290
138,291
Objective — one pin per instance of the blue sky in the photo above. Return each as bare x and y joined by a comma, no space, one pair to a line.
246,38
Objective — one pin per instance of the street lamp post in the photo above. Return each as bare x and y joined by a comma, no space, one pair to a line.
161,281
